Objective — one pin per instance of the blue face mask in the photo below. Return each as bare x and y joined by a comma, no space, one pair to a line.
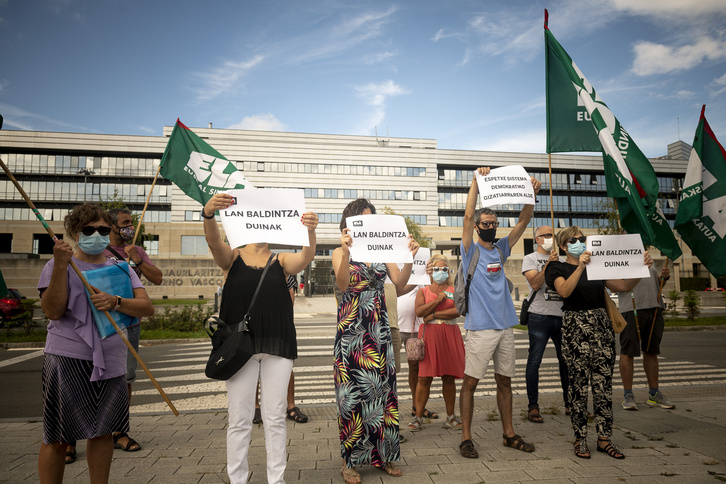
93,244
576,249
440,277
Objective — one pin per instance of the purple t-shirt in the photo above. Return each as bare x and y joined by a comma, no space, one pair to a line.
122,252
75,334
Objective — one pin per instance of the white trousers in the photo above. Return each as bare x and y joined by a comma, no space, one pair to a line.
274,375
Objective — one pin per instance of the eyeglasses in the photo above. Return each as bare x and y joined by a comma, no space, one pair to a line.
88,230
545,236
441,269
486,225
572,240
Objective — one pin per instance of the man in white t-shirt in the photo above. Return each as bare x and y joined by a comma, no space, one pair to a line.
545,318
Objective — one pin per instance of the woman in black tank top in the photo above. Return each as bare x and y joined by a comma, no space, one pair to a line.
274,338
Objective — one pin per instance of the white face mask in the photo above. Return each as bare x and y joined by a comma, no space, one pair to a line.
547,244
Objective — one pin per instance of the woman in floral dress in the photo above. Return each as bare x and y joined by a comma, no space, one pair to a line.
365,371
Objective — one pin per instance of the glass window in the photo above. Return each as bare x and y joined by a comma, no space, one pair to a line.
194,245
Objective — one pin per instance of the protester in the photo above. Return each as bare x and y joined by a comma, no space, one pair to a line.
490,316
588,339
85,394
274,339
365,371
293,412
408,324
545,319
443,346
646,335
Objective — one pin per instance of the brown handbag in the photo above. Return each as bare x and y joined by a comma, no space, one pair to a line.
617,319
415,347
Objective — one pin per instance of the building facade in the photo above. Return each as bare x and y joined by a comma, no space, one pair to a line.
411,176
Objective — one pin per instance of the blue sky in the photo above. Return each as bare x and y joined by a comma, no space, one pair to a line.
467,73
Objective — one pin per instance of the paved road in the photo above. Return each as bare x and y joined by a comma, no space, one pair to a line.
691,358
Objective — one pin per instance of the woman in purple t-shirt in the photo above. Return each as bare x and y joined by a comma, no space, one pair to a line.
84,376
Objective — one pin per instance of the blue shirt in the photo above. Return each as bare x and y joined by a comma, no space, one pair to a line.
490,303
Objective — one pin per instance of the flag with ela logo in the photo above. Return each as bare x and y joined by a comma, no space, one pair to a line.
701,217
629,176
197,168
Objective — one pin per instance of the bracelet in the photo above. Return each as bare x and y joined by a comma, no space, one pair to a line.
118,303
206,216
139,263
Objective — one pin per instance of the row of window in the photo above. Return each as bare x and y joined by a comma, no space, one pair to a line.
75,164
352,194
78,191
58,214
330,169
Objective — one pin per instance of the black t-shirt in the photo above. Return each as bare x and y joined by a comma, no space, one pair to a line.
586,295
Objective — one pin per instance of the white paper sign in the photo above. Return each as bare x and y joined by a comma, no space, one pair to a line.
504,186
418,271
616,257
266,215
379,238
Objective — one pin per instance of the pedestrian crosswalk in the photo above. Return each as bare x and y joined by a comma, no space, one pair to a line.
181,374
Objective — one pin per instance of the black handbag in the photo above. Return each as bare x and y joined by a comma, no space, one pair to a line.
524,312
232,345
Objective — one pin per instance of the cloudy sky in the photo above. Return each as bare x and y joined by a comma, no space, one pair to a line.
467,73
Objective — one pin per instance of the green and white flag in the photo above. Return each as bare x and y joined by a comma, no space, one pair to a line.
629,176
701,217
197,168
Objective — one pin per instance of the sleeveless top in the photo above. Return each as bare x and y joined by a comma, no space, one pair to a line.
271,323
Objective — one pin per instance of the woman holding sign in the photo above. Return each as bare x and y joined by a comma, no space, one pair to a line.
444,346
588,339
273,335
84,376
365,370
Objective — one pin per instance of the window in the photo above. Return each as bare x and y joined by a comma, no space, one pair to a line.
6,243
43,244
194,245
191,215
152,246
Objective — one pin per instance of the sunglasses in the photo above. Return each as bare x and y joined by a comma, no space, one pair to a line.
572,240
441,269
486,225
89,230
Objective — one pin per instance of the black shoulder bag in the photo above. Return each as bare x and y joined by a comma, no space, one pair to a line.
524,312
232,345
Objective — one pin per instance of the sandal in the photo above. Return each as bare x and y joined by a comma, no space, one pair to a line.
296,414
568,411
416,424
466,449
535,416
350,475
131,444
516,442
257,419
610,449
391,470
581,449
426,413
70,455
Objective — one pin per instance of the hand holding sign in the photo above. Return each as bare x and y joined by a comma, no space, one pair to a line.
378,238
615,257
506,185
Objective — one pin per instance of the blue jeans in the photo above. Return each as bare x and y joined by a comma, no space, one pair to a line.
541,329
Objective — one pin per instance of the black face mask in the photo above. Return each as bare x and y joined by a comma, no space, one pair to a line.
486,235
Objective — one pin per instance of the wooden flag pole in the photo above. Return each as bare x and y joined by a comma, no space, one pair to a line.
657,307
89,288
143,212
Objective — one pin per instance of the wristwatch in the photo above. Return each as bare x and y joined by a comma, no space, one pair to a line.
118,304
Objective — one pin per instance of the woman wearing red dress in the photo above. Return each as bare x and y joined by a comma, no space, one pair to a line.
444,347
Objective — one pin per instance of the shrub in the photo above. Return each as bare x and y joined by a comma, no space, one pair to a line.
188,318
691,302
673,297
23,320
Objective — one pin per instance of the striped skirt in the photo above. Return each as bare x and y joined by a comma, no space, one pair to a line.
75,408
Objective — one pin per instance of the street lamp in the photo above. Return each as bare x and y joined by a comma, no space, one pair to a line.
86,173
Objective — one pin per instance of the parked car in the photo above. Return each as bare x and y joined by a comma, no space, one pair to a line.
10,305
714,289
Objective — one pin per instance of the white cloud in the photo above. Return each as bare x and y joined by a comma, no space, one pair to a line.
25,120
379,57
225,78
652,58
671,8
260,122
376,95
718,85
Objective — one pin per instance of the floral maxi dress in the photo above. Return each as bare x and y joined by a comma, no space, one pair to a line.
365,372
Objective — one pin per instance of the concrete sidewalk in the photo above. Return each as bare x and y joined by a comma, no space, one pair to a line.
684,445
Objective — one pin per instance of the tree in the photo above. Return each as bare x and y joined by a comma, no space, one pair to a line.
413,228
608,223
117,202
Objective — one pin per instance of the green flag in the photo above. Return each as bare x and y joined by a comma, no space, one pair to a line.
701,217
664,241
197,168
629,176
3,286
